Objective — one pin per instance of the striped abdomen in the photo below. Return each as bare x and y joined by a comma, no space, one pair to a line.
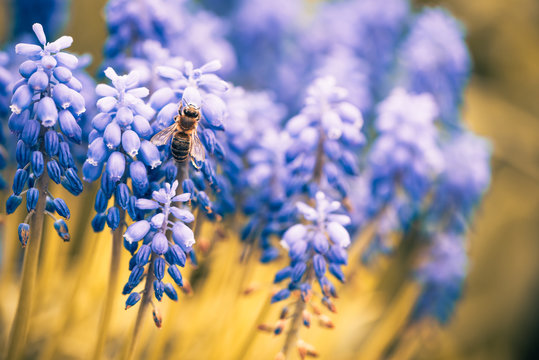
181,143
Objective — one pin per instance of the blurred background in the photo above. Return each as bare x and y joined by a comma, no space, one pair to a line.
497,318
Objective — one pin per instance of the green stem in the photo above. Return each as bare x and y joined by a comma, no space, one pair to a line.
21,322
117,236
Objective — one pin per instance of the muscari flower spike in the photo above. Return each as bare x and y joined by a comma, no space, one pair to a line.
46,106
165,239
120,144
316,248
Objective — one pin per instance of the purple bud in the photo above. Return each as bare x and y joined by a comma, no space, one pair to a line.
37,163
137,231
22,154
24,233
124,116
131,247
31,199
182,214
158,289
61,208
159,268
214,110
336,271
62,74
27,68
130,142
297,249
191,96
69,126
135,276
169,290
150,154
112,135
159,243
116,166
67,60
280,295
98,222
183,235
162,97
122,195
27,50
61,228
177,255
13,203
297,272
53,169
51,143
337,255
73,180
62,96
132,300
77,101
282,274
139,177
175,274
320,243
319,265
17,122
38,81
338,234
113,217
101,201
165,117
97,151
143,255
91,172
48,62
64,155
106,104
147,204
30,132
74,84
100,121
142,127
105,90
19,181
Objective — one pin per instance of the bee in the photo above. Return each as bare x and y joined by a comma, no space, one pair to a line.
185,142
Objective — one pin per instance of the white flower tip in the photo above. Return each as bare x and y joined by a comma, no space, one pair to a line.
155,164
110,73
15,109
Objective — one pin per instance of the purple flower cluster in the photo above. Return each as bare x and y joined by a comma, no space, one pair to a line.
46,105
120,143
156,249
314,248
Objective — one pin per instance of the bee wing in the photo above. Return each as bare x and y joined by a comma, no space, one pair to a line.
197,152
163,136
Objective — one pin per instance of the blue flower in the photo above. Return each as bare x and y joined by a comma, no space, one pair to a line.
164,239
43,139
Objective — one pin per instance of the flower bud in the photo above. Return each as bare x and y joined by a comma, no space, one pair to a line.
12,203
46,112
62,74
183,235
69,126
132,300
24,233
91,172
122,195
280,295
64,155
74,181
21,99
77,101
135,276
143,255
159,268
137,231
149,154
319,265
98,222
53,169
31,199
139,177
19,181
48,62
62,96
30,132
100,121
22,154
116,166
282,274
113,217
97,152
62,230
124,116
27,68
17,122
175,275
159,243
38,164
112,135
52,143
61,208
38,81
142,127
158,289
130,142
131,247
297,272
101,201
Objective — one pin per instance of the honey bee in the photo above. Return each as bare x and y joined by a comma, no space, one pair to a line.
185,142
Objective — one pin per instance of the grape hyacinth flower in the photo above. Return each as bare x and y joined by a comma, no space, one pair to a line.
46,106
435,60
165,245
316,248
120,144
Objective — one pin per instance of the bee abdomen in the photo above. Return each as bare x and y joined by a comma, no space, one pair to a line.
181,143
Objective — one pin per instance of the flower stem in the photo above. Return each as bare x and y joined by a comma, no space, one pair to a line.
297,317
21,322
146,298
104,323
